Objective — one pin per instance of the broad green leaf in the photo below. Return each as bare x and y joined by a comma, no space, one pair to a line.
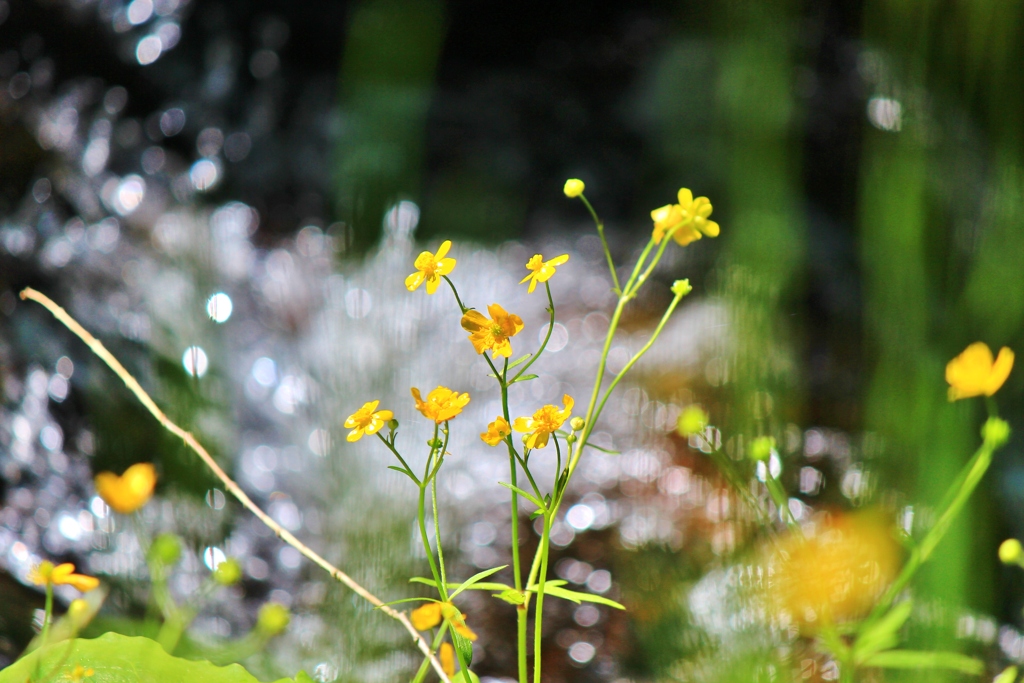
524,378
120,659
1009,675
475,579
463,648
554,588
882,634
916,659
528,496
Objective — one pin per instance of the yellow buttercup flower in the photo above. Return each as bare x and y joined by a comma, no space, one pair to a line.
130,491
80,673
573,187
544,423
975,373
447,655
691,217
834,575
492,334
442,403
430,268
426,616
366,420
46,574
496,432
541,270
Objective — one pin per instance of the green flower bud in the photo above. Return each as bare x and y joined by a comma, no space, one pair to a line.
995,432
571,439
681,288
435,443
761,448
228,572
273,619
1011,551
692,420
166,549
392,424
577,424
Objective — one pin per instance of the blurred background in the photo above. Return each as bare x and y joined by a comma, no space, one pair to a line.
230,194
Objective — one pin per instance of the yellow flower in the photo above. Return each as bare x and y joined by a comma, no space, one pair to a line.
130,491
426,616
447,654
496,432
836,574
442,403
492,334
691,215
543,423
366,420
80,673
46,574
541,270
974,373
430,268
573,187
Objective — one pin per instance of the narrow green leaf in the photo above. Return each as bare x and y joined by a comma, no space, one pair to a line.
423,580
520,361
882,634
396,468
916,659
574,596
603,450
474,579
398,602
479,586
528,496
463,648
524,378
511,596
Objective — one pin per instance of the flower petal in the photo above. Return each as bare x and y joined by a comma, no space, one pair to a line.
354,435
432,283
413,282
558,260
474,320
1000,371
442,250
685,197
445,266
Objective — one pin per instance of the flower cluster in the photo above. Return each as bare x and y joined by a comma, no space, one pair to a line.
686,221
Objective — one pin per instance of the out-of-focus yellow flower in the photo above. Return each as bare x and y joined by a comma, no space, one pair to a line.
573,187
541,270
46,574
543,423
447,655
691,215
496,432
130,491
430,268
273,618
366,420
975,373
761,448
493,333
426,616
80,673
1011,551
836,575
442,403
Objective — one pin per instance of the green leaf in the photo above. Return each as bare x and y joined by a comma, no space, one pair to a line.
460,678
554,588
121,659
520,361
303,677
398,602
475,579
463,648
524,378
528,496
479,586
603,450
916,659
1009,675
511,596
396,468
882,634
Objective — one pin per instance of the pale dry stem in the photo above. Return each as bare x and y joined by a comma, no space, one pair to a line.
101,351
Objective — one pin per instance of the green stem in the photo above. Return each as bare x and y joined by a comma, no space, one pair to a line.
421,518
517,572
437,531
778,495
48,616
456,293
538,611
544,344
425,666
398,455
604,243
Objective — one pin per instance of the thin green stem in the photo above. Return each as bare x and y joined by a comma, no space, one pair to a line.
665,241
778,495
398,455
538,611
544,344
517,571
48,615
558,461
421,519
437,530
456,293
604,243
425,666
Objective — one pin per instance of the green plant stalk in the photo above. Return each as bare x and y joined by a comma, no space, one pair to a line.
538,613
421,519
544,344
975,469
781,500
437,533
425,666
48,615
604,244
517,572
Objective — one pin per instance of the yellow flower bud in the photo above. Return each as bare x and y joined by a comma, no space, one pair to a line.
273,618
692,420
761,448
166,549
681,288
995,432
1010,551
573,187
228,572
577,424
